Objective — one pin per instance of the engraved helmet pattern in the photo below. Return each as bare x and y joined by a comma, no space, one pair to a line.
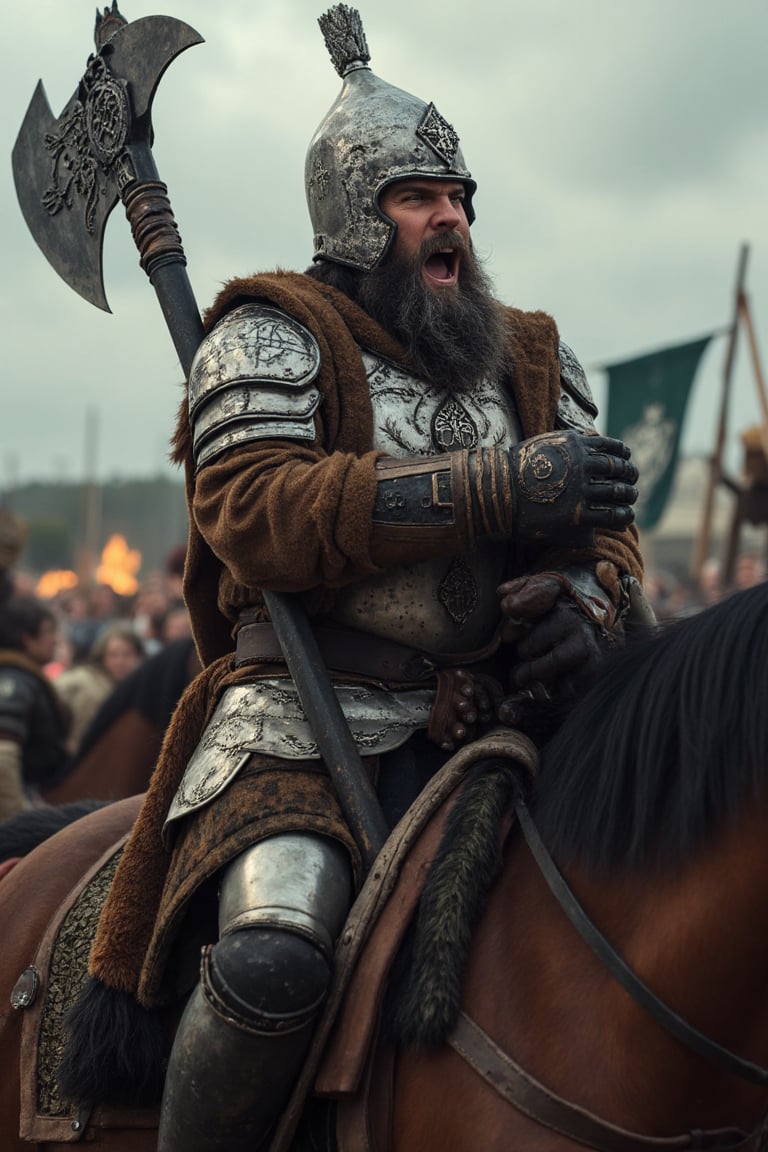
373,134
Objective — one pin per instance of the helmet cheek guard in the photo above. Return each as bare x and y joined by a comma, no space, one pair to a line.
373,135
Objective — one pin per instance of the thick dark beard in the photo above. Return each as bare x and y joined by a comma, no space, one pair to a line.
454,337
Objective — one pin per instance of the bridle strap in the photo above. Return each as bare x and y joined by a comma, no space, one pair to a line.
723,1058
531,1098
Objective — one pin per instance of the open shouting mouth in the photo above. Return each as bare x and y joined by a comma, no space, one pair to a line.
442,267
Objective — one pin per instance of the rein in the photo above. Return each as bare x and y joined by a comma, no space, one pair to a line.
688,1035
537,1102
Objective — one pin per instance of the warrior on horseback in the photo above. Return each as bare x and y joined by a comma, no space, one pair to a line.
381,436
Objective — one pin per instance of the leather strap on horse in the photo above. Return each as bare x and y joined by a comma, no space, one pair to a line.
356,653
531,1098
683,1031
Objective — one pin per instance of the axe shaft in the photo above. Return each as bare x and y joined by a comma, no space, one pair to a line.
161,254
162,257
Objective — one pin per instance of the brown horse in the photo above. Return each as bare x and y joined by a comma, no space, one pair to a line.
618,1001
120,747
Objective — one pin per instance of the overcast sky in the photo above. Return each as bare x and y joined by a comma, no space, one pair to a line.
621,153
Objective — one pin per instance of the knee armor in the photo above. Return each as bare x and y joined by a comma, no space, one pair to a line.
282,905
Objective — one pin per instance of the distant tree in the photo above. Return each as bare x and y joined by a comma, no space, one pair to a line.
49,545
150,513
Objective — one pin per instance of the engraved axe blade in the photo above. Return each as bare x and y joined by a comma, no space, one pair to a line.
70,172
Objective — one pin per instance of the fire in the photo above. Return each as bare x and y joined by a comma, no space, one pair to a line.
119,566
55,581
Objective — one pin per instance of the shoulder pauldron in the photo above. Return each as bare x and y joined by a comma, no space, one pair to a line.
252,378
576,407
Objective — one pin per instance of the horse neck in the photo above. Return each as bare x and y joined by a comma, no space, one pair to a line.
698,938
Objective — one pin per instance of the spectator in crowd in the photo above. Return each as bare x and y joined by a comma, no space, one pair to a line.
114,654
33,722
174,571
176,623
749,570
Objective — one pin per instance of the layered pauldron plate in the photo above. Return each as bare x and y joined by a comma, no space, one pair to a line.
576,407
252,379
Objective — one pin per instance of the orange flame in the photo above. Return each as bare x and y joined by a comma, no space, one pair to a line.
55,581
119,566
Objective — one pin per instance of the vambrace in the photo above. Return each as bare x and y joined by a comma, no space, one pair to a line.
440,504
542,488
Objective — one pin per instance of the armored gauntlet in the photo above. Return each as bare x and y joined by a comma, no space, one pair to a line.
543,488
565,480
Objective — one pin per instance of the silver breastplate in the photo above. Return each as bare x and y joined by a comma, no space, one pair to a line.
443,605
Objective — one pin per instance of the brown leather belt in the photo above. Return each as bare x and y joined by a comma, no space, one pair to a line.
356,653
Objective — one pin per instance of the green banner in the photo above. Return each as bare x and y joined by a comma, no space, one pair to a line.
646,405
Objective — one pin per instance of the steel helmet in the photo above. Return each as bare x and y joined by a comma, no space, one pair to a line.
373,134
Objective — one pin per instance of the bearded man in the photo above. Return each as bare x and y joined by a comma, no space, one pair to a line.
381,436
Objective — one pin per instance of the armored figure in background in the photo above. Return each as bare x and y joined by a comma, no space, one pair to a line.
33,722
419,462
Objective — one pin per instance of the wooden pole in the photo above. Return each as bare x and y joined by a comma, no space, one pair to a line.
91,507
746,316
701,549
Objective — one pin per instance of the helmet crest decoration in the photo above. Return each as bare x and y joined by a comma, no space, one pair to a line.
372,135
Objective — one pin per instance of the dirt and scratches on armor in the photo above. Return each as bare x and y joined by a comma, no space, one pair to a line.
267,717
458,591
373,134
576,407
253,378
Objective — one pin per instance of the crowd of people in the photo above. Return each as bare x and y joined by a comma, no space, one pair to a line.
62,656
674,595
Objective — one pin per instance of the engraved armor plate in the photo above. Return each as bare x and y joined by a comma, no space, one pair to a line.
254,344
231,435
407,413
251,404
252,379
449,604
267,717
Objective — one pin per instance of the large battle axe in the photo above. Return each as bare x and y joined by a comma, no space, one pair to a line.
69,174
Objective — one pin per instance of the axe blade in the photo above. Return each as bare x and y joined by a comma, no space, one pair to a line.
70,172
66,218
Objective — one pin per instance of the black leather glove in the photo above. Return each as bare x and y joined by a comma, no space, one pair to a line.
566,480
560,630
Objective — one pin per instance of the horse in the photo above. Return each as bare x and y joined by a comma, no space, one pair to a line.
611,962
119,748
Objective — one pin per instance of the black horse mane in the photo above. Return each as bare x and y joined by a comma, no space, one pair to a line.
22,832
669,742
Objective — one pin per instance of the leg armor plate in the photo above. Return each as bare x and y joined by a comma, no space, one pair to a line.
246,1030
